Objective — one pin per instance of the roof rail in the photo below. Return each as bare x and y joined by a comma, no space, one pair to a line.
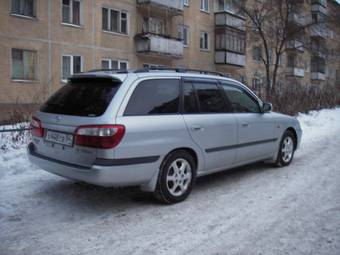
179,70
108,70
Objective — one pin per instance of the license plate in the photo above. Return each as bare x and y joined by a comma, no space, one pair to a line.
60,138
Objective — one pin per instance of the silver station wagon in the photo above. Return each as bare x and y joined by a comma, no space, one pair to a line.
157,128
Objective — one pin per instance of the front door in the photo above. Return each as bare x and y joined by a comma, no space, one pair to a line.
210,123
255,129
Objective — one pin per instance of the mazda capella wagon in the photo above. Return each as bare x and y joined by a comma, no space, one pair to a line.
158,129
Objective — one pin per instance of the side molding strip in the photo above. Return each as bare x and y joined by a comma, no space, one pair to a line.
236,146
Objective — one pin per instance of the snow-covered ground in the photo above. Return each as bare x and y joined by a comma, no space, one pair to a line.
255,209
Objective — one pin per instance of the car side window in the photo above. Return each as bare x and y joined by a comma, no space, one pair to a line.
152,97
240,101
190,100
210,98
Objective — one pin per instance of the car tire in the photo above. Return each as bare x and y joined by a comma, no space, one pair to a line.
286,150
176,177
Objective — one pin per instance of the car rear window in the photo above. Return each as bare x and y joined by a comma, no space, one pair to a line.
82,97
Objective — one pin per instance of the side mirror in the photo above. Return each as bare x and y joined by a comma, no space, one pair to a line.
267,107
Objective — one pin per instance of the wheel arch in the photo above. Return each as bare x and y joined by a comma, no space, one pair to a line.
293,131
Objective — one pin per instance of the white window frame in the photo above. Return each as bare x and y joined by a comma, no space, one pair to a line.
202,6
208,40
71,14
119,21
186,2
71,65
119,61
181,29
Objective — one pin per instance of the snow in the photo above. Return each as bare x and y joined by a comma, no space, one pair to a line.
256,209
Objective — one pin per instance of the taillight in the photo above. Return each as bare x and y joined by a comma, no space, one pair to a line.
99,136
36,128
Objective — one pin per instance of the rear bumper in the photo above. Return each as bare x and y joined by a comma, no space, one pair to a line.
126,174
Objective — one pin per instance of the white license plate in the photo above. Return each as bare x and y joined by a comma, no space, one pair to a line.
60,138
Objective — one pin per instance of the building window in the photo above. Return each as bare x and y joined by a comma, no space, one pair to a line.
204,5
24,7
115,64
71,65
257,53
231,40
204,41
154,25
114,21
183,33
257,84
24,64
71,12
291,61
186,2
318,65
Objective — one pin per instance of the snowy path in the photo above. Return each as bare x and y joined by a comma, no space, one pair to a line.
255,209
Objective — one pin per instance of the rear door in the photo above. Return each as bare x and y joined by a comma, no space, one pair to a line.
255,129
82,101
209,121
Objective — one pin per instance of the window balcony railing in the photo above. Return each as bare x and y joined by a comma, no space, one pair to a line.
295,71
318,76
157,44
174,6
227,19
319,8
229,58
320,30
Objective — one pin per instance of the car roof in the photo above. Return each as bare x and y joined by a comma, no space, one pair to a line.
122,75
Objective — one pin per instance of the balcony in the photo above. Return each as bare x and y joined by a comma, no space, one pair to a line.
231,20
320,30
295,45
295,71
174,7
319,6
318,76
159,45
229,58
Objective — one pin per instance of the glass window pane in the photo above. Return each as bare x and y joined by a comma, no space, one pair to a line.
66,11
29,65
82,97
76,12
17,64
114,21
76,64
114,64
190,102
210,98
163,98
240,100
66,67
105,14
123,66
106,64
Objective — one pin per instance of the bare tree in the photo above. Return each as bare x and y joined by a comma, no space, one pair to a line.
273,23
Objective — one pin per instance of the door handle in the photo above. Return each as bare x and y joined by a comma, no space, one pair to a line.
245,124
196,128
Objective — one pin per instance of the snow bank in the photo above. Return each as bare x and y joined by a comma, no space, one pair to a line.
318,124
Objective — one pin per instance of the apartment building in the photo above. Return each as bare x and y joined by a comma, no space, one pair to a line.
42,42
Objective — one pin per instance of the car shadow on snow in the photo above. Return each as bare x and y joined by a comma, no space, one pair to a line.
82,196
